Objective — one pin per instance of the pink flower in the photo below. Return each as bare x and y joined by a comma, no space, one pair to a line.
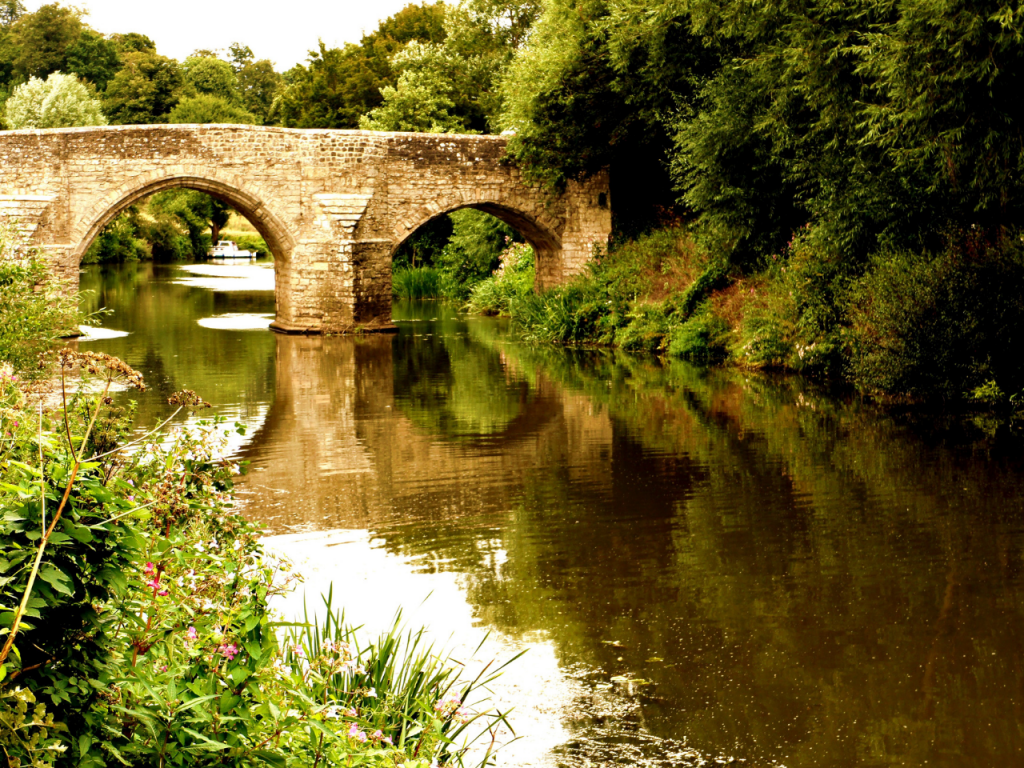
355,733
148,569
192,635
228,651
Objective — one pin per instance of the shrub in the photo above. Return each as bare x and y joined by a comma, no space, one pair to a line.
940,324
702,338
511,281
35,308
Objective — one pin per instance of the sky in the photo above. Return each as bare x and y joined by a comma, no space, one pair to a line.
283,31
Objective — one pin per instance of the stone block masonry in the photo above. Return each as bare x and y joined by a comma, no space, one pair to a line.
333,206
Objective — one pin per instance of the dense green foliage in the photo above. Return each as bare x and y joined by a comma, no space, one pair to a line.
34,308
60,101
339,85
823,152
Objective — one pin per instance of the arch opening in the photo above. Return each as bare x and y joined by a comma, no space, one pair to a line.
519,225
279,243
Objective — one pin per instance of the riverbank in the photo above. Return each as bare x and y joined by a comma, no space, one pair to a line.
928,326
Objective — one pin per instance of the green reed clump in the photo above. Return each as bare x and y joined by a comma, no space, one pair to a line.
417,283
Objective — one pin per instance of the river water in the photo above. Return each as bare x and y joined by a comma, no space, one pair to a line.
703,565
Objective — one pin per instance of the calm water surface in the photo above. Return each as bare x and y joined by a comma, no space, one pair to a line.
704,565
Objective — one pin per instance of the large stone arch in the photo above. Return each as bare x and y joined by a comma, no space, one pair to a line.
536,224
227,187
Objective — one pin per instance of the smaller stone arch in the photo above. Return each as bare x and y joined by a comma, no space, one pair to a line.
227,187
537,225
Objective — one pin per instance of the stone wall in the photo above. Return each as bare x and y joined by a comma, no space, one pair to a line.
332,205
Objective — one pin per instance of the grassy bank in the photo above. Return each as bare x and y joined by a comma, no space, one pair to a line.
922,325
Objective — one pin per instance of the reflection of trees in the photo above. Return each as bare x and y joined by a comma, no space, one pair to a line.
825,588
451,387
166,341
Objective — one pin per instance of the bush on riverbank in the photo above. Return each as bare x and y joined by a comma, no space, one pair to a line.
135,612
913,324
35,309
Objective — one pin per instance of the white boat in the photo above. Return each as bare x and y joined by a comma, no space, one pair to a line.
226,249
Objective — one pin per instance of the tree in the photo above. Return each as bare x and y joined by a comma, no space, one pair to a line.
207,75
339,85
61,101
145,90
258,83
10,12
94,58
451,85
207,108
422,99
196,212
42,39
133,42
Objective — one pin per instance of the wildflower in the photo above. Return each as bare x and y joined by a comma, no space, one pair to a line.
448,707
350,712
299,651
462,716
228,651
332,712
355,733
148,569
192,635
371,692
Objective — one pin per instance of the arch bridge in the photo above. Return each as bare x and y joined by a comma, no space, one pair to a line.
333,206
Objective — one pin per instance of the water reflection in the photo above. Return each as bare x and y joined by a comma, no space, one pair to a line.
801,580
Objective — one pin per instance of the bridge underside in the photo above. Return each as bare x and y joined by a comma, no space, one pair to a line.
333,206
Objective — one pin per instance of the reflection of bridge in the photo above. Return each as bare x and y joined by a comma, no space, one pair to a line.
337,451
332,205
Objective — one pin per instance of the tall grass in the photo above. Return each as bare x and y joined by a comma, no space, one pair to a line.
417,283
398,687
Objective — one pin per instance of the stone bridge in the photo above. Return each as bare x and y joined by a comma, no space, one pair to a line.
332,205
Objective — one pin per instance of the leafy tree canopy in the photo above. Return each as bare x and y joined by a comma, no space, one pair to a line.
60,101
338,85
145,90
208,108
451,85
208,75
41,40
133,42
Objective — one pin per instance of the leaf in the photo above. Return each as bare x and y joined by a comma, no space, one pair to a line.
78,532
206,740
271,758
57,579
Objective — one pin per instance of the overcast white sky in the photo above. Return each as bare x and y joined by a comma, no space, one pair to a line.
282,31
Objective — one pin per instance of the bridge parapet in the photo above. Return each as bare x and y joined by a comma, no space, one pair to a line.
333,206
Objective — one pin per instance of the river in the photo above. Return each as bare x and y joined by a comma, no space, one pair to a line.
703,565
